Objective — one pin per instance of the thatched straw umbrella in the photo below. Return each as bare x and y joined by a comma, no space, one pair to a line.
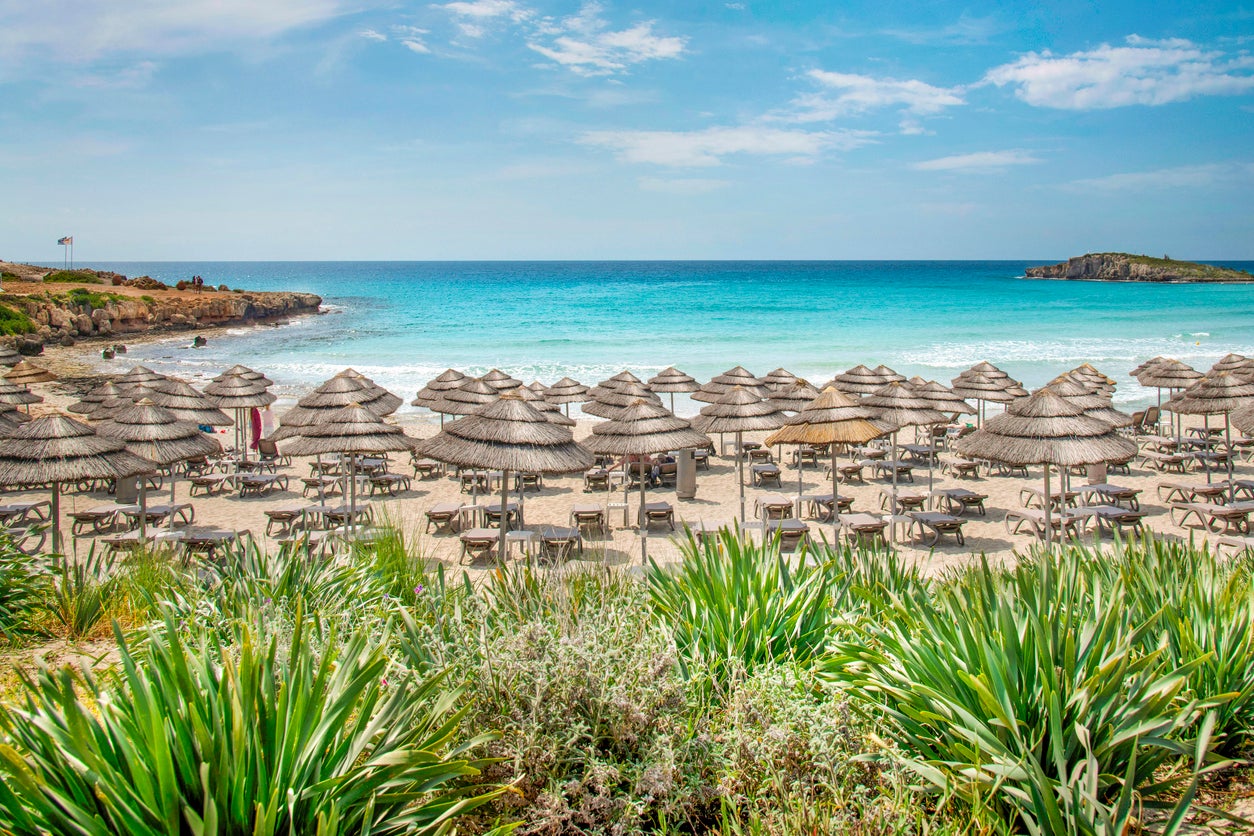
1242,367
1046,429
778,379
351,430
186,403
538,387
897,405
1215,393
550,411
609,402
14,395
1150,363
794,397
466,399
92,400
248,374
833,418
500,381
509,435
156,434
1243,419
380,401
566,392
56,449
941,397
642,429
861,380
139,375
1172,375
9,356
1094,404
671,380
436,388
10,420
723,383
240,395
738,411
25,373
985,383
329,396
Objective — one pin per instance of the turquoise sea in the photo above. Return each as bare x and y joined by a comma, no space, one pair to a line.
404,322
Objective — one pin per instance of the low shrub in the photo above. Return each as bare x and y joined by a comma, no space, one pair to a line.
82,594
23,588
13,322
193,734
71,277
92,299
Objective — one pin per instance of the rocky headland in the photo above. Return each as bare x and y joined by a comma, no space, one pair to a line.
45,306
1125,267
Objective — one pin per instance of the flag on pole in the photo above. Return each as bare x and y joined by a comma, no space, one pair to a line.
67,240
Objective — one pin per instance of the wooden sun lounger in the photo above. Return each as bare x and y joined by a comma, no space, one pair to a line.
389,483
863,528
1215,517
958,501
658,512
1189,492
444,516
822,505
1113,517
260,484
1112,495
285,517
21,513
962,469
478,542
158,515
907,500
1237,544
209,484
1064,522
100,519
586,515
933,525
326,485
1162,462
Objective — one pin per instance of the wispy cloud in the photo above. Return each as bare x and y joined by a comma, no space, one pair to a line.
979,162
966,30
1143,72
1177,177
709,146
474,17
74,32
847,94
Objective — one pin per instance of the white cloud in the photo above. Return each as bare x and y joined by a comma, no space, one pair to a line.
682,185
980,162
708,147
1178,177
586,45
71,31
847,94
372,35
473,18
1143,72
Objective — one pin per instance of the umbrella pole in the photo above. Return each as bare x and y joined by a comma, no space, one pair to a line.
56,517
1228,451
504,518
892,512
740,467
173,477
1049,502
352,489
835,519
644,520
672,403
143,507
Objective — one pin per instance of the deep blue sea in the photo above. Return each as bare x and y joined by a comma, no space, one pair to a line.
404,322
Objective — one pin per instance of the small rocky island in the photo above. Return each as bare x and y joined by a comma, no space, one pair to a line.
45,306
1125,267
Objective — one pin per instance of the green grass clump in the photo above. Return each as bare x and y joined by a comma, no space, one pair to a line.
14,322
72,277
23,587
92,299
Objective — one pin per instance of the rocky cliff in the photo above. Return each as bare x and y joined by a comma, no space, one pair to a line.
1123,267
62,309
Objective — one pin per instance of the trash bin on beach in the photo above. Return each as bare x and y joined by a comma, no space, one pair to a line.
685,475
127,492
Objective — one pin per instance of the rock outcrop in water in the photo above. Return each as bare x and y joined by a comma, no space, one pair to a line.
47,306
1124,267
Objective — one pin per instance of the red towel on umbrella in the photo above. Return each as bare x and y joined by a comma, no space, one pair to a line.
256,422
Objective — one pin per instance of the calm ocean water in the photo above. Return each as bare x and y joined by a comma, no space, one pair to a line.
404,322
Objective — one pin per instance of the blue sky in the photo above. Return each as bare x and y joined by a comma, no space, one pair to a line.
350,129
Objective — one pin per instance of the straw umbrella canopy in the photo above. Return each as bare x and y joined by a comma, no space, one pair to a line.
92,400
56,449
507,435
248,374
833,418
609,402
640,430
1094,404
551,412
738,411
986,383
351,430
500,381
723,383
9,356
335,393
778,379
186,403
671,380
861,380
158,435
1215,393
1169,374
10,420
1236,364
240,395
896,404
466,399
794,397
381,401
1046,429
565,392
1242,419
14,395
941,397
537,387
139,375
25,373
1148,364
447,380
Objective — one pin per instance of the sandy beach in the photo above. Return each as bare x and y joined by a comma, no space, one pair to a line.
716,502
